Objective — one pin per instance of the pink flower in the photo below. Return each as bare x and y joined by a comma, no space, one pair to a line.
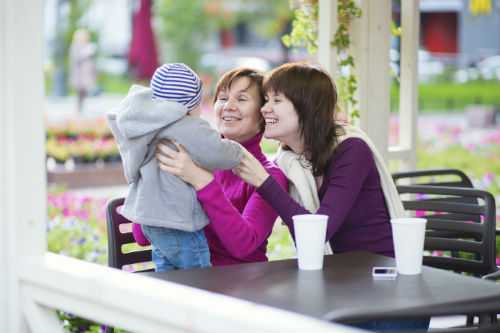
66,212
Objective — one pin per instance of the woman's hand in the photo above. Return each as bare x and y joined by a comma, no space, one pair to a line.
180,164
250,170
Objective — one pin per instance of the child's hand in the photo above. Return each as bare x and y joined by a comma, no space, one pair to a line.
180,164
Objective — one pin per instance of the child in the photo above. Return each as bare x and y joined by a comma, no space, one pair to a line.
166,207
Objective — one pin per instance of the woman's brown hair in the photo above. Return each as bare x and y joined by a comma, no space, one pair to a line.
227,79
314,97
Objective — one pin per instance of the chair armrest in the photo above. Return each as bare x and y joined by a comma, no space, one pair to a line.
492,276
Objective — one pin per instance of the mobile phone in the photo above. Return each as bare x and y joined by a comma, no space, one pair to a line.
384,273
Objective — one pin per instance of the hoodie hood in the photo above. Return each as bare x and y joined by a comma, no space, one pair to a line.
139,114
136,122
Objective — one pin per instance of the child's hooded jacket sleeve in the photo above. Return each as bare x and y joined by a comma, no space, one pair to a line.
204,144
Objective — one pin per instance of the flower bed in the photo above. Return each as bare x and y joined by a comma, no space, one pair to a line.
77,226
81,142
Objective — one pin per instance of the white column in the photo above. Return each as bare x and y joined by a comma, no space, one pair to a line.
22,155
410,23
370,37
327,25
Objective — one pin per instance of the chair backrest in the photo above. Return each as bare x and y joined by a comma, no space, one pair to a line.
433,177
119,235
459,221
436,177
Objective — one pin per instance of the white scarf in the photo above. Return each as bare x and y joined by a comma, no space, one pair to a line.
302,185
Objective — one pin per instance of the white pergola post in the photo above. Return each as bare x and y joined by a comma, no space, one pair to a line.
408,99
370,42
370,36
327,25
22,167
370,45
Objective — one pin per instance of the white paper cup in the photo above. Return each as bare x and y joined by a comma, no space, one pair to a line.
310,234
408,235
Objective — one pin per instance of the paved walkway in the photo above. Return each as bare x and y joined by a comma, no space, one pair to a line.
63,109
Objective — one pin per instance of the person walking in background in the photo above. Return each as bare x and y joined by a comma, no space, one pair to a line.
82,69
164,205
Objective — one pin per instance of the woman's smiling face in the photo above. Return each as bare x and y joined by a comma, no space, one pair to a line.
237,111
282,121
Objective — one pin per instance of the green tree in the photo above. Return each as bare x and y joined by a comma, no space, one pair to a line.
271,19
185,25
305,34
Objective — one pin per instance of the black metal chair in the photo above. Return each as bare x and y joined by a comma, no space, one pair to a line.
120,236
460,231
472,224
439,177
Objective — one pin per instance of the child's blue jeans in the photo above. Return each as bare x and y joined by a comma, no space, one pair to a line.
177,249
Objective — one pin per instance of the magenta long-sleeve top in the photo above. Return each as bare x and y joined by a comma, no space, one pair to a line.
240,219
351,195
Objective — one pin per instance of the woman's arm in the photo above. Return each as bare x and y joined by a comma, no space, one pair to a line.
241,233
350,167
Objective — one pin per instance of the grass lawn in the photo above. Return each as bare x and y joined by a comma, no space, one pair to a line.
452,96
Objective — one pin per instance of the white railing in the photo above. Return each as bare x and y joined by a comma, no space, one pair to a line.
142,304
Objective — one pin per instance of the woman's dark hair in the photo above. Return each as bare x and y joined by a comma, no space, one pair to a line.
314,97
256,80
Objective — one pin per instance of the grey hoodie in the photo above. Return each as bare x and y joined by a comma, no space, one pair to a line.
155,197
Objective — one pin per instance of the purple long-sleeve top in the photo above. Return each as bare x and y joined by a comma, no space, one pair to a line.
351,195
240,219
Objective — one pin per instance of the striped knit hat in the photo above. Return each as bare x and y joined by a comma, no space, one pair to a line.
177,83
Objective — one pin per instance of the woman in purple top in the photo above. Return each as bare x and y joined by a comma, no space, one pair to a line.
299,112
240,219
